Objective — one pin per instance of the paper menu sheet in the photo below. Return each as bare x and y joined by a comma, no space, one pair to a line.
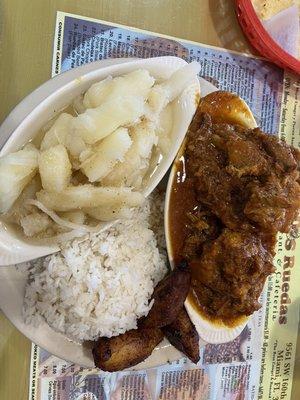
259,363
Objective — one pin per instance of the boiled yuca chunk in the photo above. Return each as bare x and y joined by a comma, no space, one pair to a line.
165,125
61,133
97,123
180,79
144,138
109,213
127,172
76,217
107,153
16,171
35,223
55,168
20,207
130,172
88,196
78,105
162,94
95,95
136,83
75,145
58,132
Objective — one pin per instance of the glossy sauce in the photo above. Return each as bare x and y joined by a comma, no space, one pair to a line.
182,201
227,278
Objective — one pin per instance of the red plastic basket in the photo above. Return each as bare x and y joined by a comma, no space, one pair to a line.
261,40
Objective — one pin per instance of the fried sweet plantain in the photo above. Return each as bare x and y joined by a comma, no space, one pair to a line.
124,351
169,296
182,334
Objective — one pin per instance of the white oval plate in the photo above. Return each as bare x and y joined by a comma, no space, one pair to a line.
63,90
13,281
208,332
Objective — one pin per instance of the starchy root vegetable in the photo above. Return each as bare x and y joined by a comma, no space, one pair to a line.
144,138
76,217
126,172
76,146
78,105
136,83
169,296
64,223
183,335
97,123
96,94
20,208
157,100
180,79
162,94
118,133
131,171
165,125
35,223
125,350
16,171
55,168
58,132
108,152
88,196
61,133
109,213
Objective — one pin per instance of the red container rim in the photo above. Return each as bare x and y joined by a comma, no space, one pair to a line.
260,38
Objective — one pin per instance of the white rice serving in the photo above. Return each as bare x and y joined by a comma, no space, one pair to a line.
98,286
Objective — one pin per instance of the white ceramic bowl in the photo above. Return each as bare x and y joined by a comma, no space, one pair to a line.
58,93
19,125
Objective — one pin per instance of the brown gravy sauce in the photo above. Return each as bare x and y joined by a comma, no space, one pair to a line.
182,200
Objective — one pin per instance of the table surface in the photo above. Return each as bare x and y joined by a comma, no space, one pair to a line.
26,39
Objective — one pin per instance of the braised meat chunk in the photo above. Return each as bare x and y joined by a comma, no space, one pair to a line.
249,179
274,203
243,188
203,226
234,267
